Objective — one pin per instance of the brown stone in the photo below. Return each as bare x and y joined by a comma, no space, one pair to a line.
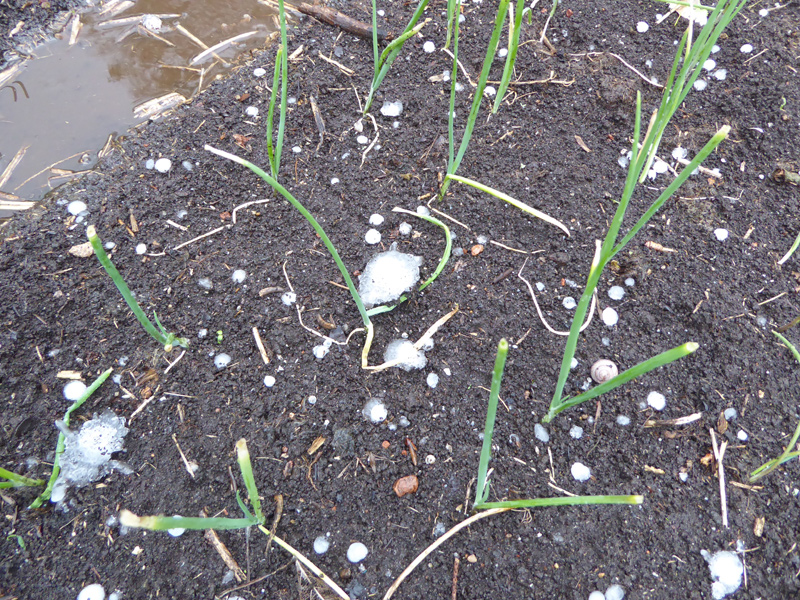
406,485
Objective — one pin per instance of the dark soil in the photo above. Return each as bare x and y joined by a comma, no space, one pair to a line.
63,313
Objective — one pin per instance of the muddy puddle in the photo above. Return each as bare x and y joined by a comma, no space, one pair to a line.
72,94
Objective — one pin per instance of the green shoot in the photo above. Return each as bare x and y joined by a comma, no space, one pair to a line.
320,231
561,501
791,251
451,7
167,340
511,57
513,202
246,467
453,14
789,452
62,440
453,163
440,267
675,91
482,488
387,57
282,64
15,480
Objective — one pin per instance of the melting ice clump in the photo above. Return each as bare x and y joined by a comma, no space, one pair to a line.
87,452
726,571
406,353
387,276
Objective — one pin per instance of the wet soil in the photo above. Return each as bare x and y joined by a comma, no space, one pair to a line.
61,312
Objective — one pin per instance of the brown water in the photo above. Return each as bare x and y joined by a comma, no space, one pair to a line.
65,101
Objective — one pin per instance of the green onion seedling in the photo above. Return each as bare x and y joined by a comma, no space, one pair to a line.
511,57
789,452
167,340
675,91
60,444
15,480
281,72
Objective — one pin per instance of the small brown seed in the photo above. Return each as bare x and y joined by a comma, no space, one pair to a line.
406,485
476,249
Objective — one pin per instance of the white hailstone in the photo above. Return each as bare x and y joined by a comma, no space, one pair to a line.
76,207
720,74
502,53
222,360
239,276
576,432
721,234
615,592
259,72
357,552
490,91
580,472
746,49
251,111
763,12
376,220
683,476
447,371
320,352
395,124
616,292
110,245
269,381
624,160
406,353
726,571
569,303
362,139
742,435
151,23
623,421
334,180
92,591
432,380
715,49
163,165
141,248
321,544
541,433
630,282
656,400
679,153
288,298
177,531
730,414
312,400
375,411
425,211
181,214
597,596
74,390
392,109
710,64
610,316
297,149
404,228
642,27
573,363
540,286
373,236
291,100
429,46
187,165
202,333
659,166
482,239
149,163
205,283
700,85
388,275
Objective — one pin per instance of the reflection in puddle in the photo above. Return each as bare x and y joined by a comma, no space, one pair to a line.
58,109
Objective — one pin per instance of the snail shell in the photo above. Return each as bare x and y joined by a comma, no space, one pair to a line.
604,370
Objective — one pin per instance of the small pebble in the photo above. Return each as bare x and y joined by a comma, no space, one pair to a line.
357,552
746,49
376,220
580,472
569,303
239,276
541,433
205,283
742,435
74,390
76,207
373,236
321,544
432,380
251,111
288,298
721,234
623,421
616,292
259,72
92,591
642,27
163,165
222,360
656,400
429,47
269,381
610,316
141,248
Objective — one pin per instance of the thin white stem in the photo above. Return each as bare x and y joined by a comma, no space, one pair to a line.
719,455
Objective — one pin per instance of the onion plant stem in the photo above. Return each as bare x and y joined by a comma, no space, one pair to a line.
482,487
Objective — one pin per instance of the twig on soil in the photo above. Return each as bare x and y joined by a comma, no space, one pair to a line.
373,142
463,69
719,455
245,205
340,66
12,165
221,46
539,310
454,594
230,562
200,237
186,463
142,406
466,523
260,345
172,364
671,422
504,247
